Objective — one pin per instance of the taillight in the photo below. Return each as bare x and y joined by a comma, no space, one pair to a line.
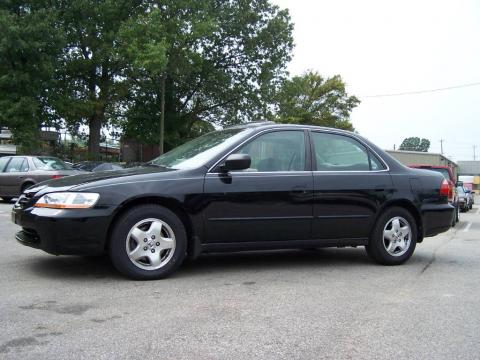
446,190
56,176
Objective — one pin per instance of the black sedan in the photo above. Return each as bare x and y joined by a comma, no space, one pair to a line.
252,187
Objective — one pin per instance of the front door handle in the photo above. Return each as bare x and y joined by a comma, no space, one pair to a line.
299,190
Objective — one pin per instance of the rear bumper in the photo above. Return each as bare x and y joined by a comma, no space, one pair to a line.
437,218
63,232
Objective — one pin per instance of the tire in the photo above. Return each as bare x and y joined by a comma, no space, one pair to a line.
399,251
7,199
25,187
457,216
160,252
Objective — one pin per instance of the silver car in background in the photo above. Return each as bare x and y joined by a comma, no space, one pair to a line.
17,173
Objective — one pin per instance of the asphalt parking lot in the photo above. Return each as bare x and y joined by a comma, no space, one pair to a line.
323,304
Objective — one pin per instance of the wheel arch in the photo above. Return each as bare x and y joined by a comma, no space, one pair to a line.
169,203
26,183
411,208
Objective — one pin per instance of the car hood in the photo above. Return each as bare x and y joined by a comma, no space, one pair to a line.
69,182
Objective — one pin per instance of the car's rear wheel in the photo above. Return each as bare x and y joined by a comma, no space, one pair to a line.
148,242
26,186
394,237
455,216
7,198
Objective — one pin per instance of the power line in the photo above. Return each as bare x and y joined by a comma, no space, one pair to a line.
423,91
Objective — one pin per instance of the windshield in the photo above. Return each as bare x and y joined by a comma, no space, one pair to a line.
460,190
50,163
197,152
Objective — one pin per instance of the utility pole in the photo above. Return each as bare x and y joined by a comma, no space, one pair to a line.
441,146
474,155
162,114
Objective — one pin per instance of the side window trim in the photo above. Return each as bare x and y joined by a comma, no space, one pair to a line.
368,149
9,158
27,165
308,157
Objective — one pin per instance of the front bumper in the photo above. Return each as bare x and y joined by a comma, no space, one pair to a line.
437,218
63,232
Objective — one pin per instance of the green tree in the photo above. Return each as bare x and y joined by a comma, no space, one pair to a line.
219,61
28,48
415,144
312,99
90,73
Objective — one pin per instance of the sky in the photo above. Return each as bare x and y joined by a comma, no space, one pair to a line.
387,47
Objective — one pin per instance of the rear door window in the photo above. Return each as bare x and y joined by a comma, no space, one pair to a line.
18,164
335,152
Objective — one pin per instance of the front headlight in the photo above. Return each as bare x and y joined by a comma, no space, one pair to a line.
68,200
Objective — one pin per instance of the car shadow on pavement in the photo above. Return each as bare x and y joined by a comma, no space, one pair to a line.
91,268
74,267
278,259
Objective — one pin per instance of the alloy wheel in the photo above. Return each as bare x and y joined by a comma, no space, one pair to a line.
150,244
397,236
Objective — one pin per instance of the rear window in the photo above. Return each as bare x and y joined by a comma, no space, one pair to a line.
3,162
50,163
442,171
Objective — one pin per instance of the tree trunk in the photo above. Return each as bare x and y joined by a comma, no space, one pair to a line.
95,127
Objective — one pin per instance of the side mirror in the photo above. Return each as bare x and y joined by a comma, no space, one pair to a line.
236,162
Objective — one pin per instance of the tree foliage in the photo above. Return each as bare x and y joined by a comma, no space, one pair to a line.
27,64
222,61
415,144
93,64
90,72
313,99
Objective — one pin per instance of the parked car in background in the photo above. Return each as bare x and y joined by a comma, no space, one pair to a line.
470,197
251,187
94,166
17,173
453,193
463,199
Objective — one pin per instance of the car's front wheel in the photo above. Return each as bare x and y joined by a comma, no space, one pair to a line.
394,237
148,242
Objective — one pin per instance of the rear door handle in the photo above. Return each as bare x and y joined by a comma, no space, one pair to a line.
380,188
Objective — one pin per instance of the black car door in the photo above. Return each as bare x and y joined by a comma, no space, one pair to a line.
270,201
350,184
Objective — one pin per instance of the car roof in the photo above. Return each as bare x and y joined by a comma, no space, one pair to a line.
274,125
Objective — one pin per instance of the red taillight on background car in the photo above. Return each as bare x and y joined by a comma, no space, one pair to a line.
446,189
56,176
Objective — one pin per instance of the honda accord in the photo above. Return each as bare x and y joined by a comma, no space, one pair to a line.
259,186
